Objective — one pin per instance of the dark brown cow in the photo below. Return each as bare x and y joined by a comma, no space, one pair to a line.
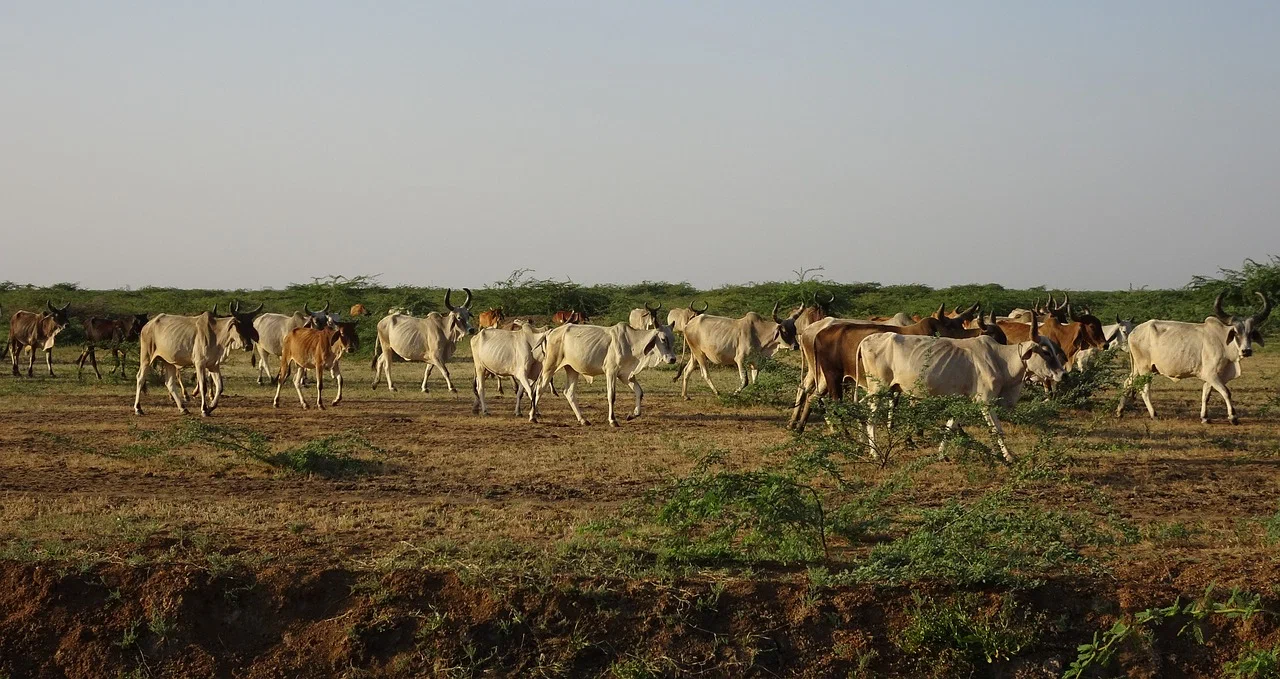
110,332
29,329
572,316
834,351
492,318
317,349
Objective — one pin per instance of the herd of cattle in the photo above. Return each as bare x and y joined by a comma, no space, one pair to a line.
986,357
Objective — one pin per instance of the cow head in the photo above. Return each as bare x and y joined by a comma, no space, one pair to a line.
1090,335
133,327
1245,330
1043,358
677,318
652,312
58,314
992,330
359,310
319,319
344,332
787,333
663,342
242,329
459,316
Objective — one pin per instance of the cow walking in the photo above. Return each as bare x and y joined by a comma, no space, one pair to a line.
431,338
30,329
319,349
516,354
617,352
1210,351
200,342
740,342
111,332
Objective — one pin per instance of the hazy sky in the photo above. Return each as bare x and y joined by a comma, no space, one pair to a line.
244,144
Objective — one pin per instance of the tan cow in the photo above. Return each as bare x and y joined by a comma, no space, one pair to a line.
318,349
740,342
617,352
431,339
29,329
200,342
516,354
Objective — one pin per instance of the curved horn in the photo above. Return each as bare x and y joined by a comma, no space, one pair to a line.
1217,308
705,305
1035,331
775,313
49,304
68,306
325,310
1257,320
982,322
1050,304
466,304
215,308
235,306
831,297
249,313
942,309
968,313
447,304
306,308
653,310
1118,321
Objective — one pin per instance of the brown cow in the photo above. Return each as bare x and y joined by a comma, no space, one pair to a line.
29,329
1084,332
318,349
572,316
829,349
359,310
492,318
110,332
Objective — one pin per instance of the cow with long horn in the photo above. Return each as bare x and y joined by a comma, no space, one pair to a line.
431,339
1210,351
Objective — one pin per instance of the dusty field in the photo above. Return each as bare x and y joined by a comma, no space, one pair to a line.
78,484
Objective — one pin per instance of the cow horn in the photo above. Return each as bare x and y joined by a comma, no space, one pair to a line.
1262,315
1066,301
1217,308
447,293
1035,332
705,305
215,308
1118,321
1049,305
968,313
653,311
235,306
249,313
49,304
942,309
775,313
466,304
306,308
831,297
325,310
982,322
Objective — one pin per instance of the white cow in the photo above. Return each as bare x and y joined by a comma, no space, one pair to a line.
516,354
1210,351
644,319
1117,333
678,317
272,329
739,342
981,368
617,352
431,338
201,342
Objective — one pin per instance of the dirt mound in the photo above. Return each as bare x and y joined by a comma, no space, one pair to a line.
172,621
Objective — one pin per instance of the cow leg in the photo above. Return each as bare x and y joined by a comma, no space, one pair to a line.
998,431
1146,398
93,360
802,395
297,386
261,355
31,364
639,392
384,365
754,373
425,374
84,355
478,406
336,373
871,430
950,427
48,359
611,393
1126,390
1225,393
275,402
319,389
1204,403
172,380
137,396
499,379
217,388
571,392
448,381
743,378
203,387
14,348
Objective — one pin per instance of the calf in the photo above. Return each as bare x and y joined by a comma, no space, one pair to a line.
318,349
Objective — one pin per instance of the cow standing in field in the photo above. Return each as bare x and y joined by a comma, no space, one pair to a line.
644,319
835,358
1210,351
980,368
617,352
274,328
679,317
491,318
29,329
110,332
319,349
431,338
571,316
740,342
516,354
201,342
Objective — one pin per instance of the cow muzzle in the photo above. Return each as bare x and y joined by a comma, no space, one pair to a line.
1246,352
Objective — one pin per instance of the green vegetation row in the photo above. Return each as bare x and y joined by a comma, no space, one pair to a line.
524,294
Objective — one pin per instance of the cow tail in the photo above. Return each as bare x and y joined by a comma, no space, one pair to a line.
377,351
286,356
857,372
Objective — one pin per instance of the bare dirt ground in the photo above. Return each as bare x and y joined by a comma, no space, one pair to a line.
158,523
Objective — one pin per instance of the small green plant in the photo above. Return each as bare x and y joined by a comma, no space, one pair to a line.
160,626
130,637
1254,663
965,627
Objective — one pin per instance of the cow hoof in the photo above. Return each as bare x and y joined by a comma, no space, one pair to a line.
584,423
632,416
335,403
137,411
1204,420
305,406
275,405
452,390
1235,420
205,413
319,406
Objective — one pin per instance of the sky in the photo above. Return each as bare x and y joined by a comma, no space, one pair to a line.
1077,145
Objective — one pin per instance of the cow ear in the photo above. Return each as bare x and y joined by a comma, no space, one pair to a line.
653,342
1256,336
1033,349
1231,335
